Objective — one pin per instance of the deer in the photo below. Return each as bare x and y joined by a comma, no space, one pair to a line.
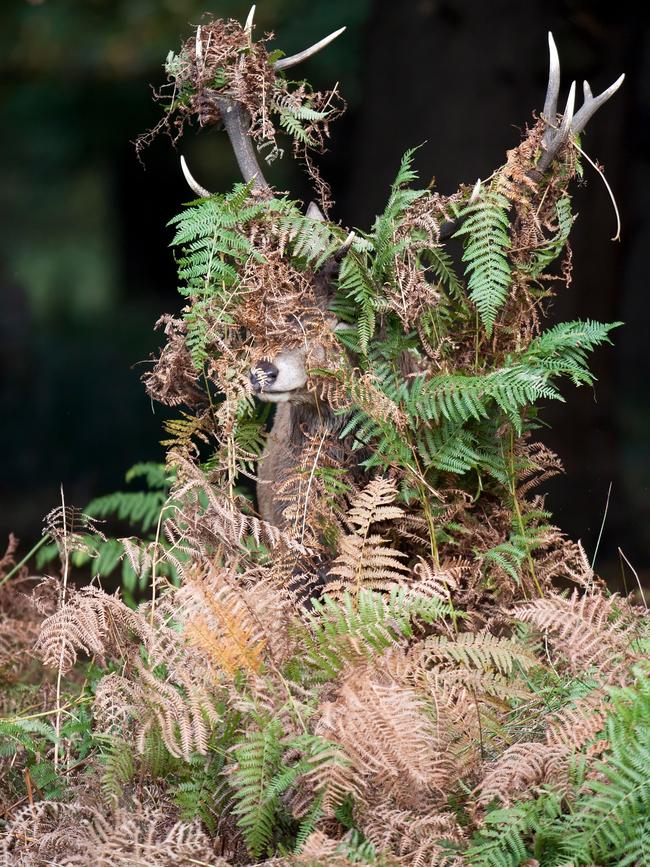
285,378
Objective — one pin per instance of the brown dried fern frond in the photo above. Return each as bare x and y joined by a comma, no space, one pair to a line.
366,560
368,563
522,770
25,600
219,522
477,651
319,849
588,630
280,309
8,559
220,622
565,560
434,582
389,738
50,832
580,723
374,504
90,622
415,838
539,463
364,394
179,707
184,432
72,530
173,379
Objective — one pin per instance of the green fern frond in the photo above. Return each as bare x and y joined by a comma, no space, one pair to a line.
118,766
458,398
486,227
385,245
441,266
362,625
258,758
616,812
356,282
481,651
26,734
562,350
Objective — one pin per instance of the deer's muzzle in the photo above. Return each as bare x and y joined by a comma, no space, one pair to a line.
263,375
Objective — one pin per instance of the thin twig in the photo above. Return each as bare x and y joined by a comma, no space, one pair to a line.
309,484
617,236
59,674
602,527
636,575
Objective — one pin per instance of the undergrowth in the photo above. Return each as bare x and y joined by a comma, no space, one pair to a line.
460,689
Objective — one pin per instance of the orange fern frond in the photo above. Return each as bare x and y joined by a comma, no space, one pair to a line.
233,647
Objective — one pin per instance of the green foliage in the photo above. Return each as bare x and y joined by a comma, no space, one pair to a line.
361,626
142,511
406,721
562,350
212,245
256,779
485,226
28,742
607,823
295,119
372,262
200,787
26,734
118,767
610,822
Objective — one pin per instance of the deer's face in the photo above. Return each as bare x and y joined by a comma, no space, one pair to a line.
285,377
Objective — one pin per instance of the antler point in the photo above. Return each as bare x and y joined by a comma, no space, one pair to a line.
192,184
295,59
248,26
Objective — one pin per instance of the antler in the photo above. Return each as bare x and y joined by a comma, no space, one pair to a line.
295,59
556,137
237,120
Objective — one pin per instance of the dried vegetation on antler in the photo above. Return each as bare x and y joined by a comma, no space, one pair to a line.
440,699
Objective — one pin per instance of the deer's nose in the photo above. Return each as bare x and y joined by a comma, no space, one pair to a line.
262,375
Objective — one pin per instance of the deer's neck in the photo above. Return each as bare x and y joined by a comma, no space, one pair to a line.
294,425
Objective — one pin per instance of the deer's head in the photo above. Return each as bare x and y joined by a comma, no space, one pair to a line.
284,376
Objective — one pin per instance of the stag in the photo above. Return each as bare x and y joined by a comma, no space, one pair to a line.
285,379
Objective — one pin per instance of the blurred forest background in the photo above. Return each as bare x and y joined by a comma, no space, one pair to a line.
85,268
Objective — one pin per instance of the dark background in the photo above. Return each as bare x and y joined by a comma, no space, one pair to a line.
85,268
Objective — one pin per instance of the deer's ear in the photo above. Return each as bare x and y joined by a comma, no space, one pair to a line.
314,212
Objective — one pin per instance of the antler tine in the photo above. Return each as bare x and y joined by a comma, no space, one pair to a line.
195,186
199,44
237,120
562,134
345,246
552,91
592,104
295,59
248,26
571,125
